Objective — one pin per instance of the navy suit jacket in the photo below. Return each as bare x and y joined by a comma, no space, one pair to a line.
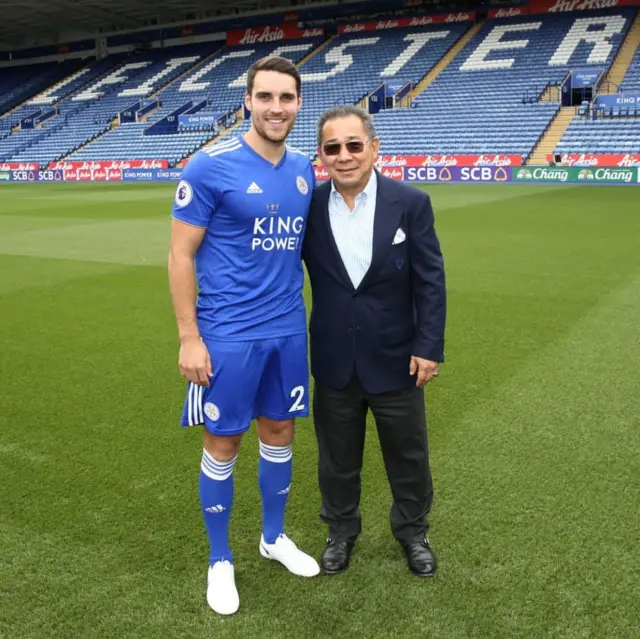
399,308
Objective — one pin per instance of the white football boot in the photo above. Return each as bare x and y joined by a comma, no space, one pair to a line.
290,556
222,595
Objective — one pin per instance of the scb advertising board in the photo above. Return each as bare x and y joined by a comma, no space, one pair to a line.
36,176
458,174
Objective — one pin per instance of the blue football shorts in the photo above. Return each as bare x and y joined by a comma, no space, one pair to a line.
267,378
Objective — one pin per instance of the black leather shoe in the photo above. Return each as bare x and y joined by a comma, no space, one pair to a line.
421,559
335,557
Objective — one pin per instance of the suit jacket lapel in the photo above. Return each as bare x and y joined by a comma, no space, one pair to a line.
385,225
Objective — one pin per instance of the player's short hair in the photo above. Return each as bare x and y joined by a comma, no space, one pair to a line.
343,111
273,63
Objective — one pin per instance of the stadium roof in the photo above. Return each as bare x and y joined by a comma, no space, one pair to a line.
33,22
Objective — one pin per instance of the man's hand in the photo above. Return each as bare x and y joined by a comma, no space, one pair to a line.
425,368
194,361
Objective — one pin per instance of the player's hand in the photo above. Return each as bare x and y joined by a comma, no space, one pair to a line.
194,361
425,369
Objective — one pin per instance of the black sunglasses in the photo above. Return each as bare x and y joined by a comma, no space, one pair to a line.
334,148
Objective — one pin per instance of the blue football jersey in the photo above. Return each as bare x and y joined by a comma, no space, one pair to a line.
249,265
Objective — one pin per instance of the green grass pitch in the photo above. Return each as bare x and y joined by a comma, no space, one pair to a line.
533,423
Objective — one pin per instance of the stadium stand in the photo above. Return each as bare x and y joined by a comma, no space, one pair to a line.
476,104
488,88
19,83
631,81
609,130
90,111
53,99
219,82
352,66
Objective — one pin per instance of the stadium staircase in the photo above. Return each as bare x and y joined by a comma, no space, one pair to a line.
445,60
623,60
551,136
550,94
223,133
314,52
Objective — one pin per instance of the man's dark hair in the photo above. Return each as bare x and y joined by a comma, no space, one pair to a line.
273,63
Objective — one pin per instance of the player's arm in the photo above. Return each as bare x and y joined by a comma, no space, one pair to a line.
194,360
185,241
192,210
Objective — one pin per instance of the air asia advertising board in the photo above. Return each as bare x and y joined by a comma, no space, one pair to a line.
397,23
449,160
598,159
256,35
109,164
562,6
19,166
559,6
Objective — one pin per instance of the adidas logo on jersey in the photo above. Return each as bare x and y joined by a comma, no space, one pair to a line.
254,188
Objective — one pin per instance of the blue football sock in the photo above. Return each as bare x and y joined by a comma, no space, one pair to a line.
274,478
216,499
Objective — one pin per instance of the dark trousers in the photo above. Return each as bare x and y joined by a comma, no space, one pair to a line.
340,422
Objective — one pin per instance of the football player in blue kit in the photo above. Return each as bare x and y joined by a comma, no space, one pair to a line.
236,279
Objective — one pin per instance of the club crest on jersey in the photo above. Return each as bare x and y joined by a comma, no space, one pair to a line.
184,193
212,411
302,185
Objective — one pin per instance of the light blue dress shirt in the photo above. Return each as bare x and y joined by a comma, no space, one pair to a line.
353,230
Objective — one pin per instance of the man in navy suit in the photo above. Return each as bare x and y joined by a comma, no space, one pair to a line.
376,334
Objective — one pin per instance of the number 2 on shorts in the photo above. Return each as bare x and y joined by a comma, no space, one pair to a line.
298,393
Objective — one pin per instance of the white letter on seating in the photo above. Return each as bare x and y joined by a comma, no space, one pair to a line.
341,59
147,86
241,81
113,78
477,62
418,40
580,32
190,84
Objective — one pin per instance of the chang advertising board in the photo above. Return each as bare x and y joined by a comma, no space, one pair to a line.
576,175
475,174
